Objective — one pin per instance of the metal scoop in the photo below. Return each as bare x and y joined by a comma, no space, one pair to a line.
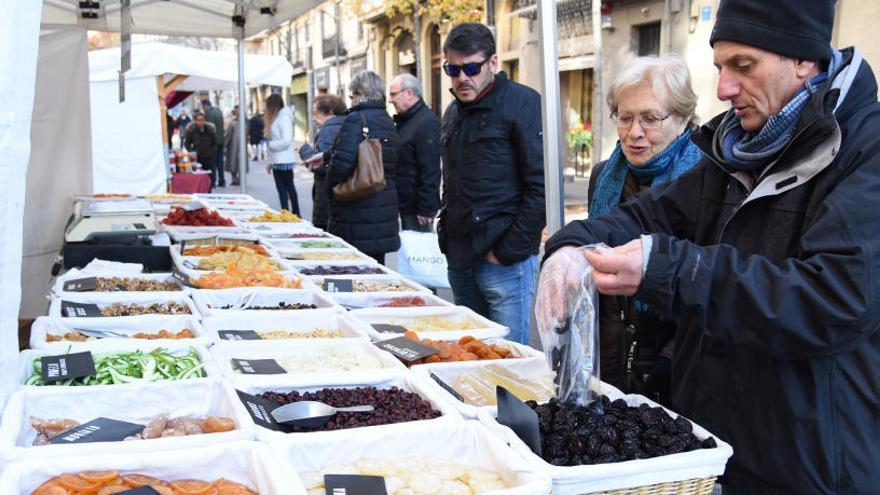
311,413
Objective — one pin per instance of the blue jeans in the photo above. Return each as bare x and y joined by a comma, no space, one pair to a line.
504,294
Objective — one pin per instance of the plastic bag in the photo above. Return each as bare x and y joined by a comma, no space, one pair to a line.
571,343
419,258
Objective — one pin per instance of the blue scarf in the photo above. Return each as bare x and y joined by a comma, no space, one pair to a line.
679,157
750,152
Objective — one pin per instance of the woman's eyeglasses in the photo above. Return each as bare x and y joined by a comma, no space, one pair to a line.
470,69
646,120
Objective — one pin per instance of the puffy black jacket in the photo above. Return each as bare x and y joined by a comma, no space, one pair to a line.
203,141
323,144
493,176
774,285
635,346
418,167
369,224
255,129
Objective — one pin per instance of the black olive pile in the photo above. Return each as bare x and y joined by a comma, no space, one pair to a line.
607,431
341,270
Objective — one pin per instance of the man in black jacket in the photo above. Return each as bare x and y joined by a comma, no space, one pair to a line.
418,162
201,137
492,209
767,254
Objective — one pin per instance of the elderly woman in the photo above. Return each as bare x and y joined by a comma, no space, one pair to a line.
328,113
652,103
369,224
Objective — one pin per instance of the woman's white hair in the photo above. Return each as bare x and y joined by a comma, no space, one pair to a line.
368,85
668,76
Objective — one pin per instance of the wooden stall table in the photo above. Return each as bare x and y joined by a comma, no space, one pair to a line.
196,182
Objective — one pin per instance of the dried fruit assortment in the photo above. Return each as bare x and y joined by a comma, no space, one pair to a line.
607,431
410,476
299,235
306,256
280,306
116,368
477,386
315,333
392,405
330,359
437,324
210,250
158,427
120,284
405,302
282,216
239,259
466,349
201,217
120,309
322,245
341,270
262,276
110,482
75,336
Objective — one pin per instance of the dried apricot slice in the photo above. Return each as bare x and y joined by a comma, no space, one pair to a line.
50,487
136,480
98,476
191,487
74,482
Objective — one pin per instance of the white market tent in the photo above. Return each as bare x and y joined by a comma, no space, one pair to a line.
127,150
20,47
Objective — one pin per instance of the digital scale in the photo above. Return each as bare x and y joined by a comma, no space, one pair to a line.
95,220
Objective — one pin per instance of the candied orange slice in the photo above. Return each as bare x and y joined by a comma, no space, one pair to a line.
191,487
50,487
136,480
74,482
98,476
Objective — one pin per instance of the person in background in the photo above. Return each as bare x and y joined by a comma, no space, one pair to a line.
231,148
278,131
328,113
170,125
201,137
418,164
369,224
255,136
215,116
492,210
767,255
183,120
653,104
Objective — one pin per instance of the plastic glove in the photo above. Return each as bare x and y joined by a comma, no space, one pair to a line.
563,269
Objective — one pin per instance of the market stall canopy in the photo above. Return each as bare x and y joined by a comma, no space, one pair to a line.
211,18
206,70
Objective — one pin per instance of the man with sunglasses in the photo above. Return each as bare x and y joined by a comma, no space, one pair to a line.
492,206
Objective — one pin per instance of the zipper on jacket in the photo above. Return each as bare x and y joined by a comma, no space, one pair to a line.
630,344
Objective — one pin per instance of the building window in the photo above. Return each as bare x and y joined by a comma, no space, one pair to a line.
648,39
406,54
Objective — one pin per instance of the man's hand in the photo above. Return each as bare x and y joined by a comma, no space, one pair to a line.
490,257
617,271
424,220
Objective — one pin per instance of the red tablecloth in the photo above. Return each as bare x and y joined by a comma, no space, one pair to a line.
190,183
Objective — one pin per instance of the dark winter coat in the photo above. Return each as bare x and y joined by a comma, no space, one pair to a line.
635,346
255,129
215,116
323,144
204,142
493,176
369,224
774,285
418,168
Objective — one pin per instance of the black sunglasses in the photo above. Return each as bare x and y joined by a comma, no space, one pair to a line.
470,69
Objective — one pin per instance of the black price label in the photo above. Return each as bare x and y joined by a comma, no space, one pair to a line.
79,310
258,366
406,349
66,366
98,430
354,484
339,285
260,410
385,328
446,387
522,419
141,490
239,335
81,284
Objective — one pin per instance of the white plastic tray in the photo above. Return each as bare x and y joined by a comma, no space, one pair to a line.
139,404
415,289
103,299
366,300
125,325
76,274
483,328
349,328
209,301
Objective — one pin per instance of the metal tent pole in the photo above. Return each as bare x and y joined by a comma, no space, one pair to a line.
550,115
242,109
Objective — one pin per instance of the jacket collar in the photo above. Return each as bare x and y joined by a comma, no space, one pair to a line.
489,101
364,105
408,114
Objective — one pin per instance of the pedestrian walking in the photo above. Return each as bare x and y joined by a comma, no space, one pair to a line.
278,131
328,113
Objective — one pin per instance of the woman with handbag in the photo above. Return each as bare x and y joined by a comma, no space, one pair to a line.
278,130
362,210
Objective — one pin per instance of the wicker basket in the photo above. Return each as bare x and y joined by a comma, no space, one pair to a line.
701,486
